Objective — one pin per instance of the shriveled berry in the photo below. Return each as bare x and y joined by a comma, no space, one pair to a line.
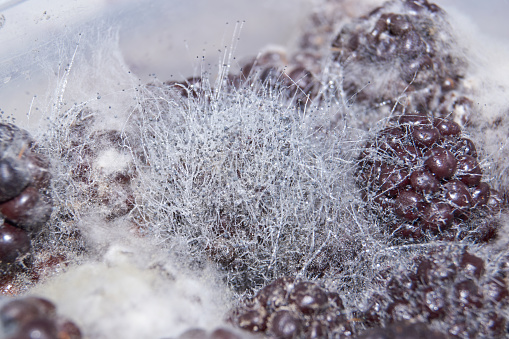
441,162
14,242
424,181
392,134
445,295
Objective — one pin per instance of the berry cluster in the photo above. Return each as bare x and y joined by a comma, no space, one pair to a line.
292,308
25,204
33,317
405,43
424,177
457,292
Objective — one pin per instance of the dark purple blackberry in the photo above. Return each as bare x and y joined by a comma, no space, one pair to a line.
456,291
25,204
33,317
293,308
402,331
408,45
424,178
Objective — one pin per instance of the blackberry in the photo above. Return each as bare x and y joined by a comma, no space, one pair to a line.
33,317
455,291
407,44
293,308
25,203
424,178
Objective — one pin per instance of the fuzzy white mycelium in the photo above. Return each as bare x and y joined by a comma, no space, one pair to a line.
174,201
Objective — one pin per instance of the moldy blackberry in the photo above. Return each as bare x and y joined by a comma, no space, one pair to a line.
293,308
408,45
455,291
424,179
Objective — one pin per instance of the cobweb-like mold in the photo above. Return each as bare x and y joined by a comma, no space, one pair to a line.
245,178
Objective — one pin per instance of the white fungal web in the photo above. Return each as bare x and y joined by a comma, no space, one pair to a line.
240,177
